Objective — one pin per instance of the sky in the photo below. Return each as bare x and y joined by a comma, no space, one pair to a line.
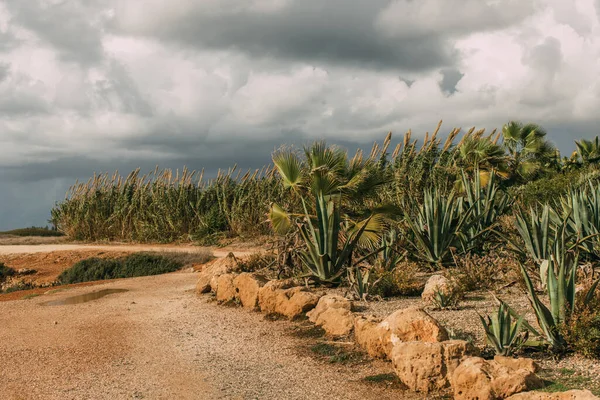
99,85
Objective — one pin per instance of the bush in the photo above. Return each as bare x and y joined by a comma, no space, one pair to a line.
401,281
91,269
145,264
583,330
5,272
138,264
474,272
33,231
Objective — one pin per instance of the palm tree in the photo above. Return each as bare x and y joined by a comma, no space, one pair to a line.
529,153
589,150
481,154
326,178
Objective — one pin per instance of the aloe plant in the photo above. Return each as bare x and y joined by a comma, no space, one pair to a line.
439,226
504,333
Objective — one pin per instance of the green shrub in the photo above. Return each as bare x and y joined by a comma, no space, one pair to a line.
145,264
5,272
33,231
583,333
138,264
91,269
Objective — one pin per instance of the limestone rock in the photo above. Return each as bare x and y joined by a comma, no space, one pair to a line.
247,287
336,321
277,297
369,334
326,302
478,379
569,395
208,277
435,283
428,366
225,287
410,325
298,302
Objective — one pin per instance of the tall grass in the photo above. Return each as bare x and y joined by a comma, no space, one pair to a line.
167,206
164,206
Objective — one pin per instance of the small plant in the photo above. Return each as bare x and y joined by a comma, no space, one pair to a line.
504,333
5,272
446,300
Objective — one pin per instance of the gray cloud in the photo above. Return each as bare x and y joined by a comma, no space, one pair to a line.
450,78
334,31
90,85
67,25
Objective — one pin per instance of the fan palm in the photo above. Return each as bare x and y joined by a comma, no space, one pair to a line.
529,153
589,150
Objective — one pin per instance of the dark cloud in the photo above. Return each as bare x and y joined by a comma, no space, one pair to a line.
67,25
333,31
450,78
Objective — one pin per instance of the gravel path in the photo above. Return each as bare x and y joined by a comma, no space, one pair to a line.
161,341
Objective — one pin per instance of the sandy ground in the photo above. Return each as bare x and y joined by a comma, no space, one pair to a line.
160,340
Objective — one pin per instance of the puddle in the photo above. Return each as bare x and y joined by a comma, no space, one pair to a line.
84,298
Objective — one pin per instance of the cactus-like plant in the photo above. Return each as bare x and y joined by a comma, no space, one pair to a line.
439,226
504,333
561,280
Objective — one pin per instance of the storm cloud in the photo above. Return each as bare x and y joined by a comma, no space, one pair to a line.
90,85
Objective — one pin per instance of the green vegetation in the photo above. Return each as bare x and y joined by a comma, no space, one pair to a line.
503,333
486,209
5,272
138,264
33,231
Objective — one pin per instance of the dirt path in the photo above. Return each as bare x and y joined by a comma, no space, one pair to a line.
160,340
46,248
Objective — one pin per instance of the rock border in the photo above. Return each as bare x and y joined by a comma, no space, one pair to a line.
422,355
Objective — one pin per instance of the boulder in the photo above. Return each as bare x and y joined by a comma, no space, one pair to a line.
278,297
225,287
410,325
428,366
435,283
569,395
298,302
271,294
478,379
208,277
369,334
247,287
517,363
336,321
326,302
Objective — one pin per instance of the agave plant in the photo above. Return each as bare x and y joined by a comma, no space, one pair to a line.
581,208
329,179
443,300
504,333
561,280
483,196
439,226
